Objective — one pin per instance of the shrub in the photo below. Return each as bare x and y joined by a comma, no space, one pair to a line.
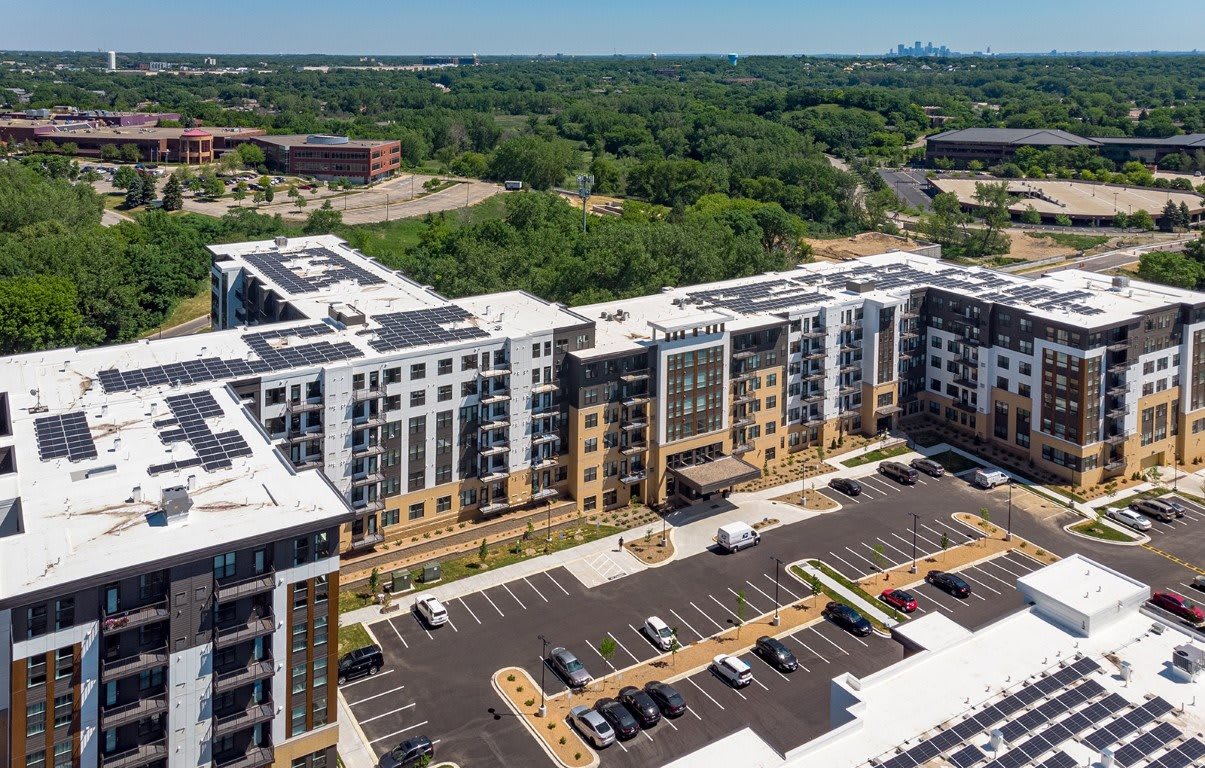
510,678
529,702
552,726
562,741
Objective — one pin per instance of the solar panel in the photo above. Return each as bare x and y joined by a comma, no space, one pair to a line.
1147,744
66,434
966,757
439,325
309,270
1060,760
1189,753
214,451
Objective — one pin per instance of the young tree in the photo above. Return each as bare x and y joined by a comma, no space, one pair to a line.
815,585
134,191
607,649
240,192
124,176
300,202
212,186
1063,220
880,558
269,193
1031,216
258,197
148,188
173,194
1140,219
1120,220
130,153
674,646
110,153
374,581
483,551
1185,217
250,155
741,605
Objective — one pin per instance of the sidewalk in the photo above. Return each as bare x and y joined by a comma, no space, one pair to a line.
865,608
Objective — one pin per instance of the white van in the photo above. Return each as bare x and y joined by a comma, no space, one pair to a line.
736,536
990,478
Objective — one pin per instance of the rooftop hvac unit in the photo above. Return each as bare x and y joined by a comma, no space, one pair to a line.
175,503
1189,659
280,241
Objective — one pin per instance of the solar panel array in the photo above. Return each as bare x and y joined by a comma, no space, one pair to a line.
1191,752
66,434
321,267
1124,726
214,451
1060,760
768,296
1147,744
422,327
1029,751
217,369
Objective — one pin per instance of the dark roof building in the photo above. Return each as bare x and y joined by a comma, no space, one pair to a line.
992,145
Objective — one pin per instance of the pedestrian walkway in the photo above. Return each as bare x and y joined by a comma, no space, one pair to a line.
857,601
353,748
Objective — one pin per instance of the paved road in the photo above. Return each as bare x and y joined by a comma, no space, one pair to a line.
439,680
909,186
186,328
1122,256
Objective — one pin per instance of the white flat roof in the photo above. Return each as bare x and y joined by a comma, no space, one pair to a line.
1086,586
933,631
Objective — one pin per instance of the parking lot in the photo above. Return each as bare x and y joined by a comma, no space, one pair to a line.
437,681
1183,536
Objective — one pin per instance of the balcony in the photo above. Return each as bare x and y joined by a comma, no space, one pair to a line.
1118,346
254,757
308,462
1118,390
233,678
849,346
909,334
743,421
743,354
497,396
139,755
495,449
814,354
133,711
813,397
371,478
134,617
636,400
632,376
368,506
545,437
849,389
742,398
367,449
968,360
850,326
361,395
1119,368
964,381
236,721
850,367
962,405
303,406
1117,438
371,420
494,475
634,449
132,665
252,628
817,375
301,437
493,373
632,477
740,448
367,541
744,376
1115,464
544,463
254,585
495,424
814,333
495,507
545,493
813,421
548,386
635,425
909,312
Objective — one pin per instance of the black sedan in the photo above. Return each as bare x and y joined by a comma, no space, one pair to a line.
667,697
618,716
776,654
641,705
928,466
848,619
845,485
948,582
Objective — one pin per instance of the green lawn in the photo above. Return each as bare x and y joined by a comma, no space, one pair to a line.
388,238
352,637
955,462
1098,531
878,455
1071,239
185,310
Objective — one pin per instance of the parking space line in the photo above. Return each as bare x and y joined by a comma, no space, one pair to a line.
985,572
450,624
941,603
395,733
621,745
705,693
533,588
598,653
850,565
907,555
467,608
1001,567
967,575
973,533
748,604
491,602
810,649
871,563
763,593
637,631
770,667
418,620
935,532
954,531
387,714
557,583
922,537
763,685
730,613
783,587
624,647
920,553
1031,564
706,616
670,723
646,734
686,624
878,482
375,695
517,600
830,642
399,634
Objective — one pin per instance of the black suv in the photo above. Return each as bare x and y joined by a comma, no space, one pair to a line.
641,705
776,654
360,663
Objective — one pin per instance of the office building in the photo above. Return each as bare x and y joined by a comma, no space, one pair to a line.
332,157
192,146
995,145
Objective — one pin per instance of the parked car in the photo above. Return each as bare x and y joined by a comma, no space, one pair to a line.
432,611
1179,605
1178,506
414,751
659,633
1153,508
848,619
1129,517
1198,582
361,662
928,466
899,599
592,725
901,473
669,701
570,668
948,582
734,537
776,654
618,716
848,486
641,705
732,670
990,478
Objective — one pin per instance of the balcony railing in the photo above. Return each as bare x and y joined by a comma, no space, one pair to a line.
813,375
367,449
372,478
1118,390
964,381
366,541
233,678
255,757
632,477
132,665
301,437
631,376
1118,368
493,475
636,400
495,424
1116,438
744,376
367,394
491,373
635,448
550,386
743,421
495,507
303,406
495,397
371,420
133,711
813,397
814,354
249,630
139,755
546,437
253,585
965,406
1118,346
814,333
1117,413
543,463
743,354
742,448
134,617
632,425
495,449
236,721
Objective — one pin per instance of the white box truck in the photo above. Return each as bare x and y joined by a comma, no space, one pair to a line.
734,537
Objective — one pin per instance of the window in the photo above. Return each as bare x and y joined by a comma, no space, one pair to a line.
296,721
1002,362
771,401
393,375
591,474
300,639
150,678
417,510
934,361
35,619
468,497
771,427
1023,390
468,362
319,671
417,450
468,388
418,397
590,396
301,594
417,480
223,566
589,503
63,755
301,550
390,517
418,371
590,445
64,663
35,718
443,474
321,590
36,759
319,711
443,504
417,424
444,393
64,613
591,420
444,367
63,714
319,631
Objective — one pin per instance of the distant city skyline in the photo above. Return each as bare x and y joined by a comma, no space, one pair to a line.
377,27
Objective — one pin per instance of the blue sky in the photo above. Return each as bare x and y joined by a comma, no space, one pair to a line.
624,26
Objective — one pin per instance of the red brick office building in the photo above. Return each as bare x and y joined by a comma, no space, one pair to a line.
331,157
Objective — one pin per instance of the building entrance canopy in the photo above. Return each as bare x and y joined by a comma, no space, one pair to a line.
715,475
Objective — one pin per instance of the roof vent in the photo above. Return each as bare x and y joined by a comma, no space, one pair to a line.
860,286
1120,282
176,503
281,241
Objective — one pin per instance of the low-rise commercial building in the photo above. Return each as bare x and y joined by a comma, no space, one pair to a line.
996,145
192,146
332,157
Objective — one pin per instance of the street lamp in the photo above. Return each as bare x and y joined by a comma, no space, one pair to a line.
1176,472
1008,536
543,712
548,534
777,565
915,518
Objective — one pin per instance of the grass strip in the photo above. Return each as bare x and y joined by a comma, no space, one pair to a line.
878,455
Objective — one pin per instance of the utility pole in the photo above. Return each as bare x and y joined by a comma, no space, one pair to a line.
915,518
543,663
777,565
585,183
1008,535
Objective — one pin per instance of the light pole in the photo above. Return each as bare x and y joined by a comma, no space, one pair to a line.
1008,535
777,565
543,655
915,518
1176,472
548,534
584,184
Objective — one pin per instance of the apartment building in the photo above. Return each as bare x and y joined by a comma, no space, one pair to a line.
168,581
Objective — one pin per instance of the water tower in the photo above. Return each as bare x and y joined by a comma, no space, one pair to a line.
732,57
112,61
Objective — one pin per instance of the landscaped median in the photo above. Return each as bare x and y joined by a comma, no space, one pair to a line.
561,740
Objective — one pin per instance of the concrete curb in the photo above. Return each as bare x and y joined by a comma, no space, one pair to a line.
1142,537
531,729
669,538
836,586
